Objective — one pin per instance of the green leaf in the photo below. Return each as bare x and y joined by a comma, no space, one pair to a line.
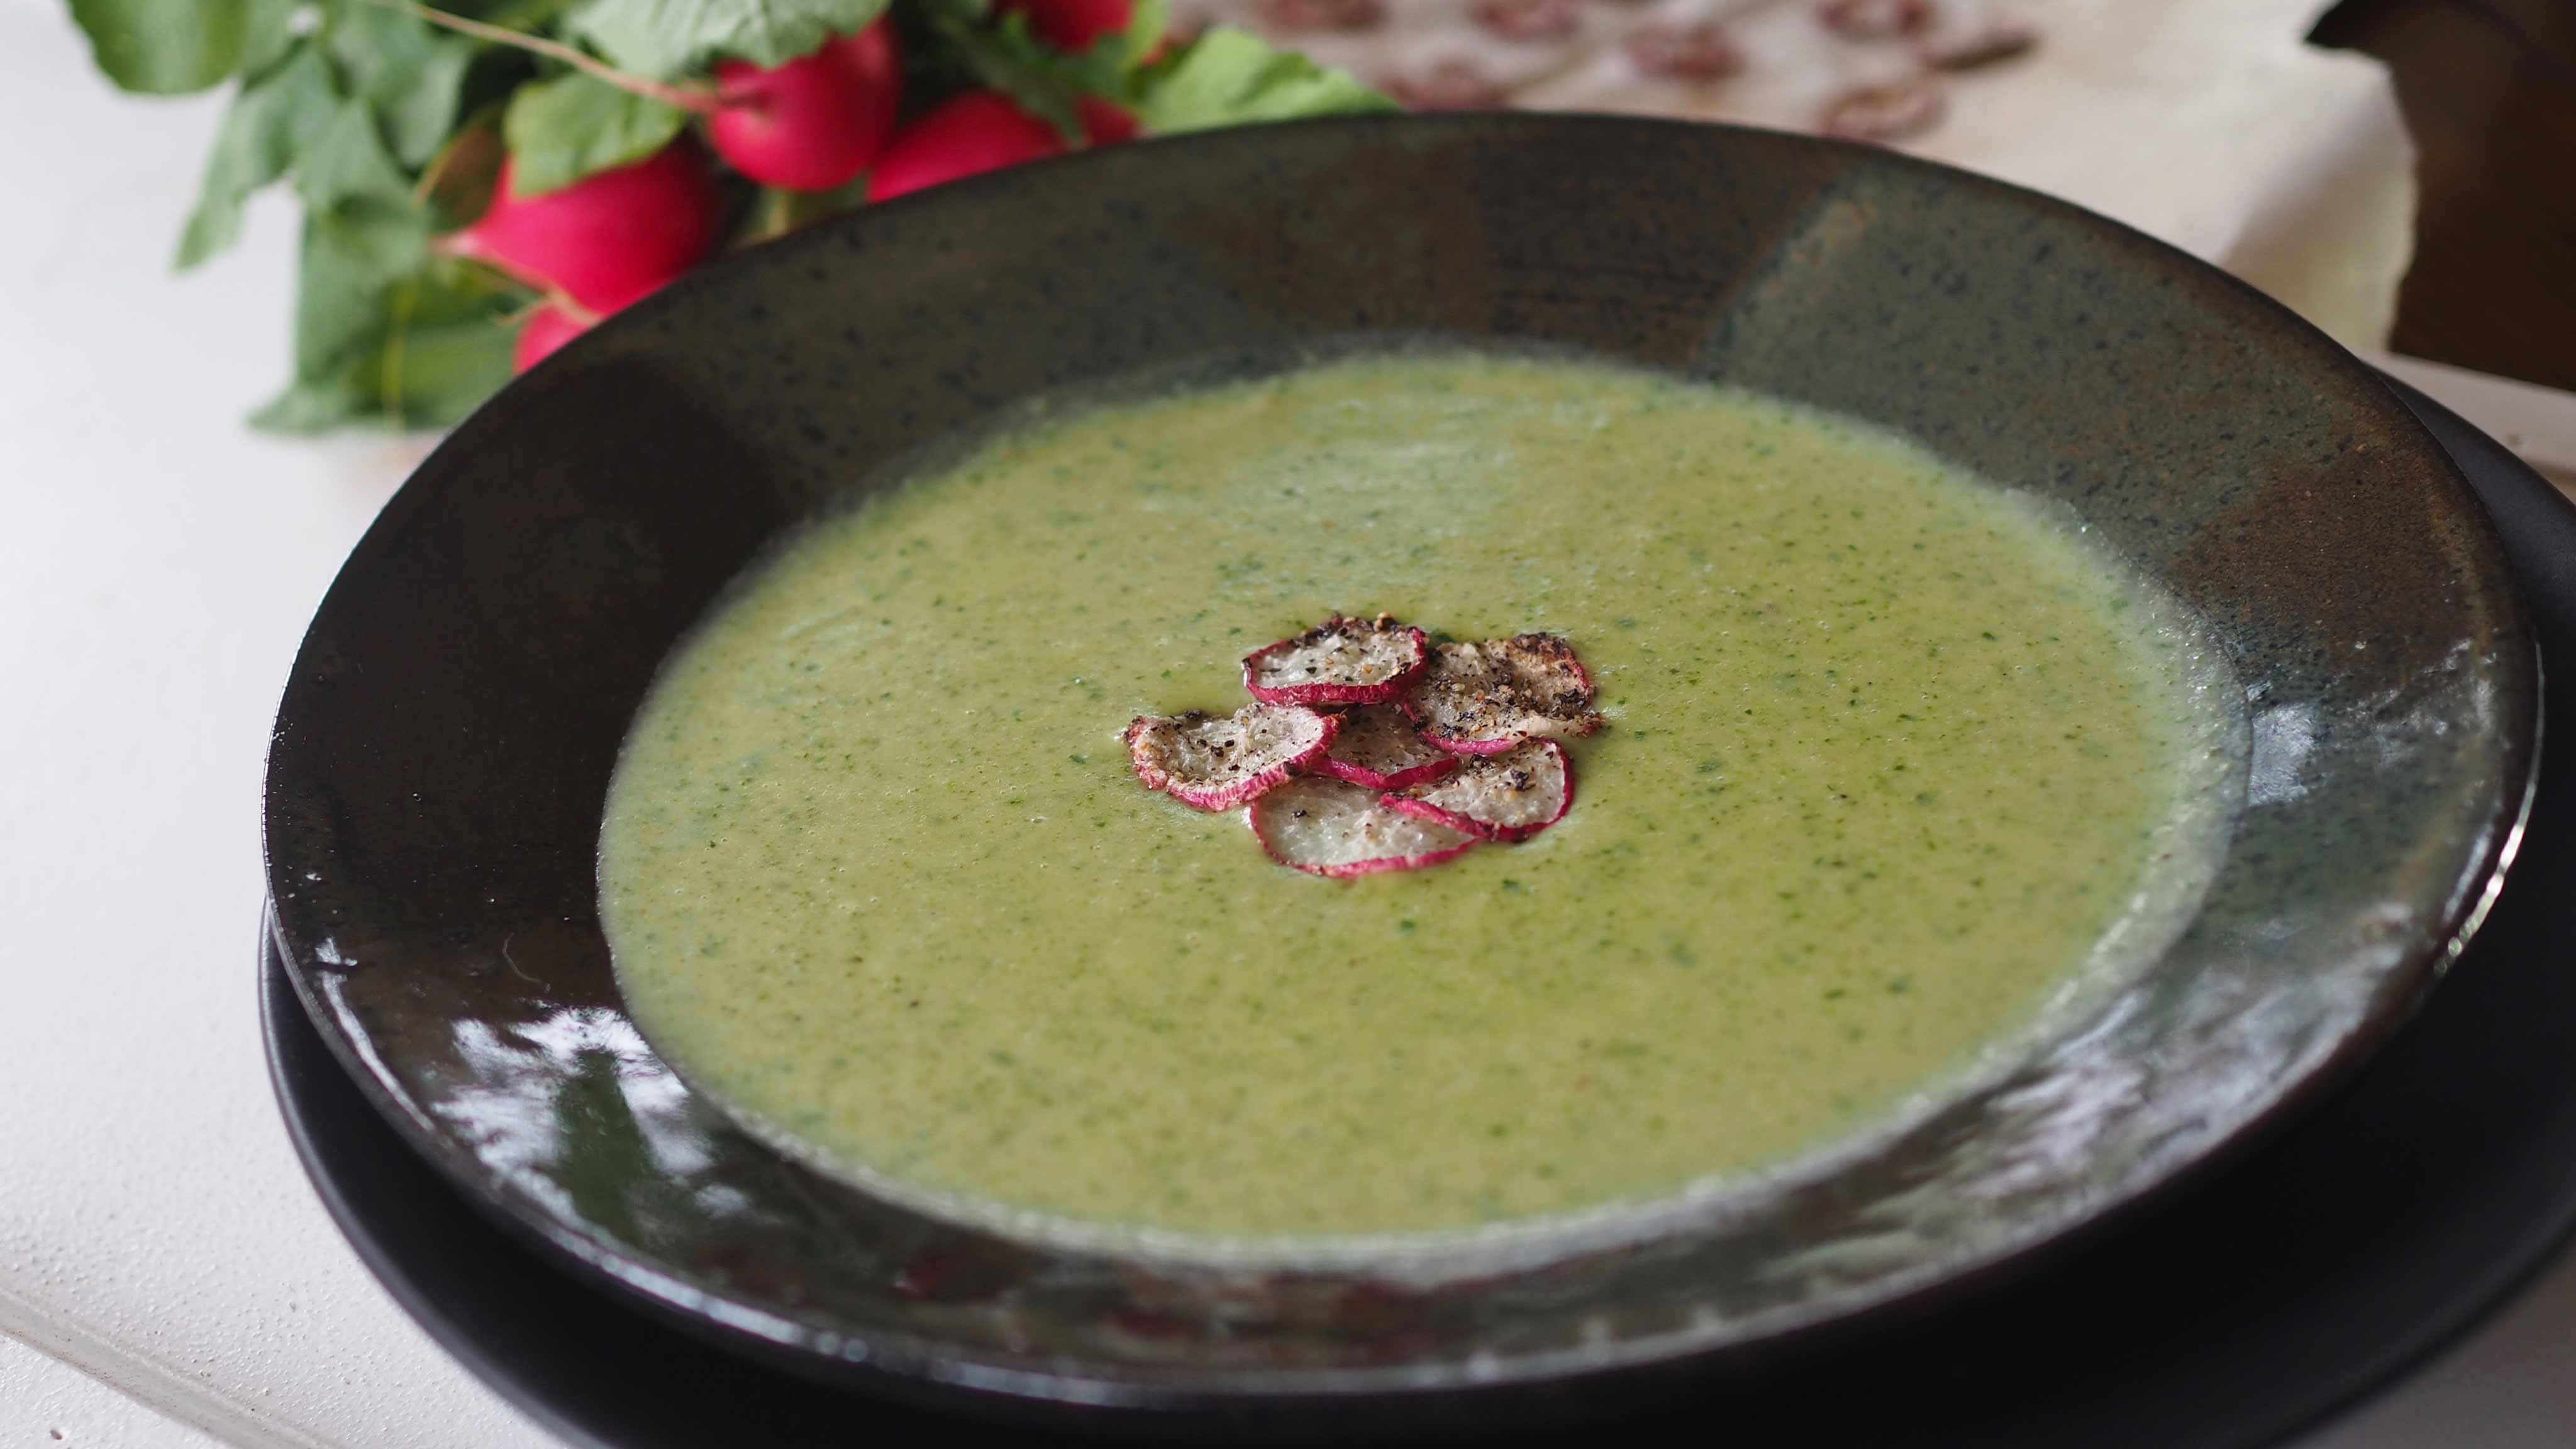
563,129
1008,57
267,32
171,47
1147,23
664,38
513,14
294,117
456,187
347,160
351,185
384,237
1228,77
359,206
408,70
447,347
338,305
308,407
775,212
273,119
418,349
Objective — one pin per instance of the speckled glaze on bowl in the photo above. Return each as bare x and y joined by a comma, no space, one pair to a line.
440,758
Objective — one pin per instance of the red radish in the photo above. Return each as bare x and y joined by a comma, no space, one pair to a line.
976,132
1484,698
1336,828
815,122
1104,122
545,329
1508,797
1218,762
1073,24
1340,661
606,239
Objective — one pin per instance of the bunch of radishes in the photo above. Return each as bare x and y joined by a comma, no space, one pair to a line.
481,180
815,124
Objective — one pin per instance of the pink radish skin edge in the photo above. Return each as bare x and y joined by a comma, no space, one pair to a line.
1404,779
1379,866
546,329
1483,746
1471,747
1499,834
1236,792
1388,690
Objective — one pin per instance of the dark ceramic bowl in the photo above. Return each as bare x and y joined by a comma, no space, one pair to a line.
435,787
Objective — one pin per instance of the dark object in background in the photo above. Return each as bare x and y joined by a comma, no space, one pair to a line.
2489,91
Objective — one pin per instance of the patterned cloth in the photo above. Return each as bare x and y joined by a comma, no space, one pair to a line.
1874,69
2208,123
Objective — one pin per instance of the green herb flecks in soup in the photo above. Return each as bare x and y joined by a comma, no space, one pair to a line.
1888,753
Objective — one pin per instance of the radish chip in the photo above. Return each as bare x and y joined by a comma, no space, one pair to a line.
1217,762
1379,747
1508,797
1340,661
1335,828
1435,751
1482,699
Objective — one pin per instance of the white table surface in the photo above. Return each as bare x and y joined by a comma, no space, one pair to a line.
167,1278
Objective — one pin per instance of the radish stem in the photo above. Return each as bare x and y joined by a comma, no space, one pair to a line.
687,98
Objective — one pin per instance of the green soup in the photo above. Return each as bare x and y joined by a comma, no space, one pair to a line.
1892,756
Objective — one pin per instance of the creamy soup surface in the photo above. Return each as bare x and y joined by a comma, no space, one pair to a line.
1891,756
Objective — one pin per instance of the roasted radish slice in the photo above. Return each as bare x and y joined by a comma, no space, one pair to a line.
1482,699
1336,828
1510,796
1379,747
1217,762
1340,661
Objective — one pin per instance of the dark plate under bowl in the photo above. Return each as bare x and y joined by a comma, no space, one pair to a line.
445,743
